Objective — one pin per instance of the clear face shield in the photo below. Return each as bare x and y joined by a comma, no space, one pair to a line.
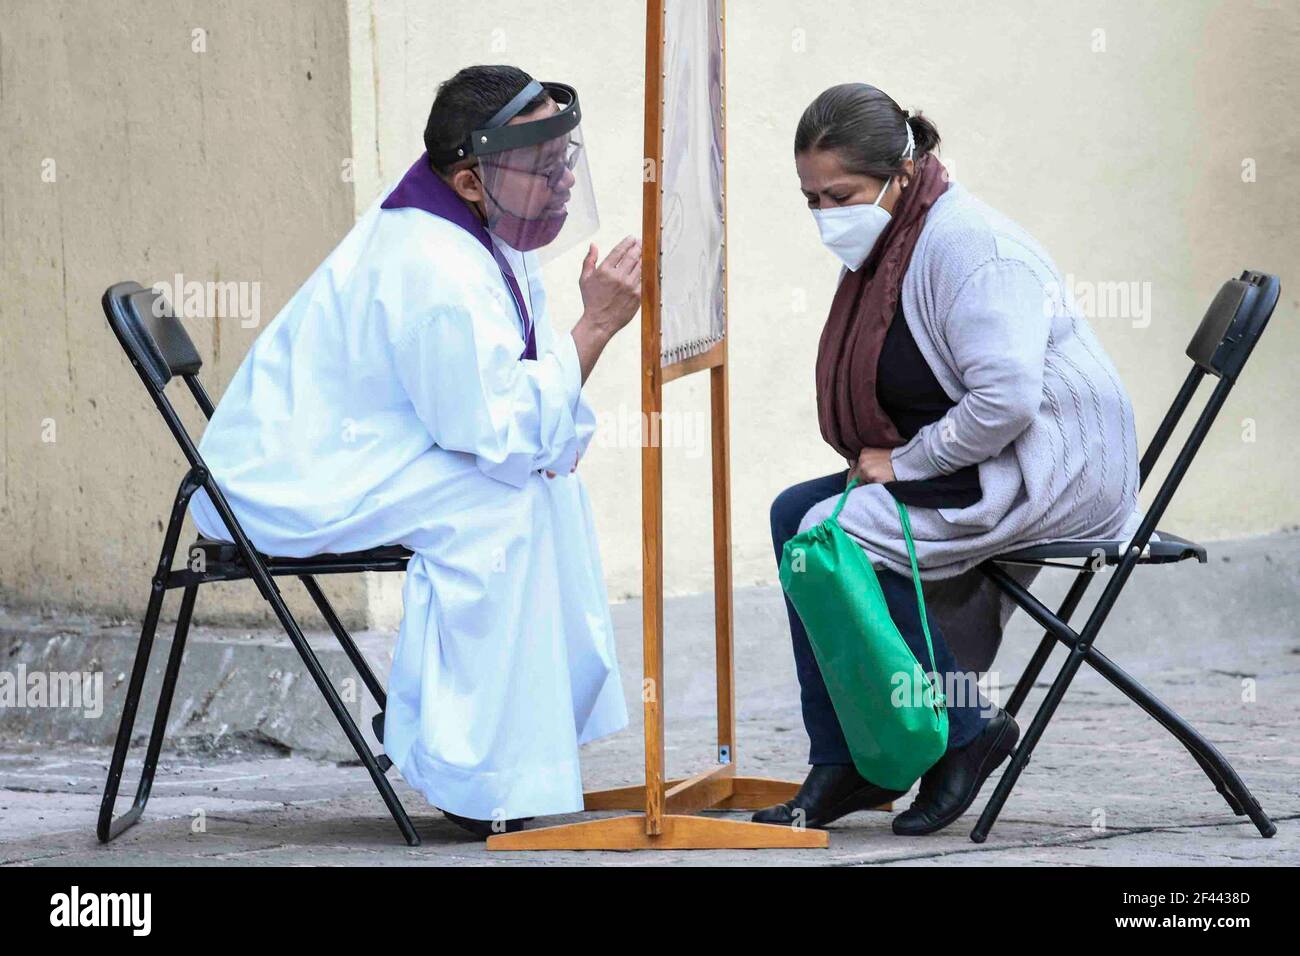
537,185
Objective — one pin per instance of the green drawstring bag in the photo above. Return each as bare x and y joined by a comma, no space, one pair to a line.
892,714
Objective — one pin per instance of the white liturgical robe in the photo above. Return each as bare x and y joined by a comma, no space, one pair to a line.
410,393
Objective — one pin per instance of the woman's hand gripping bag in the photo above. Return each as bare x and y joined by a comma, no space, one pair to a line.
891,710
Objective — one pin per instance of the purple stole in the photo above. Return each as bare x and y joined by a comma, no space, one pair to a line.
422,188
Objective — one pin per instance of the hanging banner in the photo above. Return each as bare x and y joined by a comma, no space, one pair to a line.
692,244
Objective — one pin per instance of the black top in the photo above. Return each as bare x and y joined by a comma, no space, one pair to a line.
912,397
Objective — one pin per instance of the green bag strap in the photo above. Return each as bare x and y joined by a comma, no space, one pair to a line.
916,574
839,505
916,579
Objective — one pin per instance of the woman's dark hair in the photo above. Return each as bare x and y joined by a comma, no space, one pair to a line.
865,126
467,101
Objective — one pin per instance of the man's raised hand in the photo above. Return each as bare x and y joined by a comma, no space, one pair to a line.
611,295
611,291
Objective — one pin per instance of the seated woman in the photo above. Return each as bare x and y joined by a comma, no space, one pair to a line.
952,375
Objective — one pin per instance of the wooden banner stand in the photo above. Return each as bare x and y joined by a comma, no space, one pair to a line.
668,821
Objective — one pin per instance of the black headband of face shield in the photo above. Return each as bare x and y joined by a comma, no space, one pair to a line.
497,136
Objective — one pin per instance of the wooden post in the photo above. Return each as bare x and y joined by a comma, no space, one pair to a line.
722,591
652,502
719,410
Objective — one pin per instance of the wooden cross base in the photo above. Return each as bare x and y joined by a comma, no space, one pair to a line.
714,789
679,832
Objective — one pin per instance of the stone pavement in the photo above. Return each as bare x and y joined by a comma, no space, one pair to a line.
1107,786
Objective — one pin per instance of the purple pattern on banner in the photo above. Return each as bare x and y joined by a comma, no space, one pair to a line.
422,188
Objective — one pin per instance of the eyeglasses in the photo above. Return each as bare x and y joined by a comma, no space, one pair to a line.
553,172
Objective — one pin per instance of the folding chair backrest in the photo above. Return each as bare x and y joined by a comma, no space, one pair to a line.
1220,347
1234,323
153,338
1222,343
160,349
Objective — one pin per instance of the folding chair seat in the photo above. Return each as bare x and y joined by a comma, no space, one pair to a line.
225,553
1163,548
1219,348
160,349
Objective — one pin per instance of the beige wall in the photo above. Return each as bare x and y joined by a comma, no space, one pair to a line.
219,165
1125,162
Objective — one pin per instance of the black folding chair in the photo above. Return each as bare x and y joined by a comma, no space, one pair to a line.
1220,347
159,348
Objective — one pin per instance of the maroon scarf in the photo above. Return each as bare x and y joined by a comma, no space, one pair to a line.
847,408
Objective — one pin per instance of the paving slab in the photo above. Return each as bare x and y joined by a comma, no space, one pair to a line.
1107,785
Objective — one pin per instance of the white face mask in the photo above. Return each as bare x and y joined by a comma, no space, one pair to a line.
850,232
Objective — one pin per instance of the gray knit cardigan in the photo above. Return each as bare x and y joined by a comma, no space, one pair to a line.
1039,408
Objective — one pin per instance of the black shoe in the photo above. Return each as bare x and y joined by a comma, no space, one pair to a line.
829,792
485,828
951,785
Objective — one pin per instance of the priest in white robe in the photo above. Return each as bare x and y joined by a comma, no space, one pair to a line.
413,392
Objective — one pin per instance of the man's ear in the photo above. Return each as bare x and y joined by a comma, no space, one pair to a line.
467,185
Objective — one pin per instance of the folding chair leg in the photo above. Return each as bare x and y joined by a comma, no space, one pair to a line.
1030,674
1047,645
1020,757
1212,762
345,639
371,762
108,828
1207,756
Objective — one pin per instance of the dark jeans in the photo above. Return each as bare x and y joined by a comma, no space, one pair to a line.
828,745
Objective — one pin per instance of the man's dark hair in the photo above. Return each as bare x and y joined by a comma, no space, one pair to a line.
466,102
